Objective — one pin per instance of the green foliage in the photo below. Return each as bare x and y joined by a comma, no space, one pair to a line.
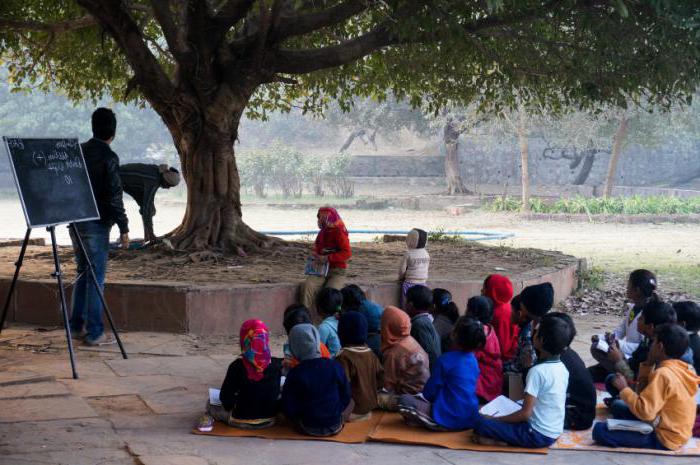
440,235
592,278
637,205
289,171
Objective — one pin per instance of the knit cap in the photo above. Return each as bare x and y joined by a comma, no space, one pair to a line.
352,329
416,239
304,342
538,299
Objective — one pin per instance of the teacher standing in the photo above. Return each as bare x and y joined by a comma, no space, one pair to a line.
332,245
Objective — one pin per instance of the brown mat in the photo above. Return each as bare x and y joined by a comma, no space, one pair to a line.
392,428
353,433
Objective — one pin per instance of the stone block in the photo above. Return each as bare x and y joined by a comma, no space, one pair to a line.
25,391
171,460
44,408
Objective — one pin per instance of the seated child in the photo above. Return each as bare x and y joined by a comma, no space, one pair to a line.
316,395
361,366
580,395
294,315
329,301
490,383
405,362
688,315
252,385
640,288
500,290
355,299
541,420
449,397
414,265
668,400
528,308
445,314
419,300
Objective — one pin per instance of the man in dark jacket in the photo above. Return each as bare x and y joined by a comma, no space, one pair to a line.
141,181
103,168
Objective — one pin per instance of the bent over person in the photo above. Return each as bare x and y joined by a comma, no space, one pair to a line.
141,181
103,168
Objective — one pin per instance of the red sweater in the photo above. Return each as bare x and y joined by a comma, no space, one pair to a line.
337,240
499,289
490,382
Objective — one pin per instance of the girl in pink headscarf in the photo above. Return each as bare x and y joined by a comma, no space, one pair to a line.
332,246
252,385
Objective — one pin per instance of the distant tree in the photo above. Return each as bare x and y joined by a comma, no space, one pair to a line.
201,64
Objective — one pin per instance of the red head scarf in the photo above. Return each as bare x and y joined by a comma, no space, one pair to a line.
255,348
329,218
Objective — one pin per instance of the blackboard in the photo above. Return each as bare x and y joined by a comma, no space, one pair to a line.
52,180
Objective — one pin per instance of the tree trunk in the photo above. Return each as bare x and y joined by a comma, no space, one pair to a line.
615,156
588,160
213,219
524,160
453,173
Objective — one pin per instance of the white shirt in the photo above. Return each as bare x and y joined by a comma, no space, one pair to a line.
547,381
627,333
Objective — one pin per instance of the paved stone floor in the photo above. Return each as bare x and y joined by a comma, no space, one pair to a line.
140,410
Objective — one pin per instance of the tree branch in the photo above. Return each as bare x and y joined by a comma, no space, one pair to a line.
57,27
151,79
164,15
301,24
310,60
230,13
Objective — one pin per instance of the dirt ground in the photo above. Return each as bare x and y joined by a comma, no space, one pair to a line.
371,262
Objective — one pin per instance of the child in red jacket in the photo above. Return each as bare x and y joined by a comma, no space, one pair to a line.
500,290
490,382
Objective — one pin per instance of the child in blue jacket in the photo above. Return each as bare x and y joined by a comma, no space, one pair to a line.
450,401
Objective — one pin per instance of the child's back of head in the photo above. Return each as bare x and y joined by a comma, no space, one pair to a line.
481,308
554,334
420,298
656,312
674,339
688,315
538,299
468,334
416,239
352,329
569,322
329,301
353,296
443,304
294,315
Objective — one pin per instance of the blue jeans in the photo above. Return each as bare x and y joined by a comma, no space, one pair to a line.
86,305
515,434
603,436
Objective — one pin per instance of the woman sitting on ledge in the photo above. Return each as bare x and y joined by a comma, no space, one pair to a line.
332,246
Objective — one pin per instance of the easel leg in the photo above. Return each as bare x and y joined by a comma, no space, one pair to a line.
62,293
18,265
81,246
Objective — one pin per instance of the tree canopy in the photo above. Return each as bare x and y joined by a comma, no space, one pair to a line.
201,64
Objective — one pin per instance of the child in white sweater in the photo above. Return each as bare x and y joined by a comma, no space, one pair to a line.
414,265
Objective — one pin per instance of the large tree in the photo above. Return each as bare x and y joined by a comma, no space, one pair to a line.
201,64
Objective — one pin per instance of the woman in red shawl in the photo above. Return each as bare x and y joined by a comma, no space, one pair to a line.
332,246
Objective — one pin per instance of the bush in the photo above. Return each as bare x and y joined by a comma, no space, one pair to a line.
637,205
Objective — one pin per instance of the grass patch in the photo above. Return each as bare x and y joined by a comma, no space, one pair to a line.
636,205
592,278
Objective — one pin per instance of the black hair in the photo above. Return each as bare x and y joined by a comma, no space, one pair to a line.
329,301
104,124
353,296
481,308
644,280
657,312
468,333
515,303
688,313
674,338
555,333
174,170
442,301
569,321
421,297
295,314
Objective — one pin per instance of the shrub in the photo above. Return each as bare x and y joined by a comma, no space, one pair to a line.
636,205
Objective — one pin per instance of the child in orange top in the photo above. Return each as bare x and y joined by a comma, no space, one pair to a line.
669,396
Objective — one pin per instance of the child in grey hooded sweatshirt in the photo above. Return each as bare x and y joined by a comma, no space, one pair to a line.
414,265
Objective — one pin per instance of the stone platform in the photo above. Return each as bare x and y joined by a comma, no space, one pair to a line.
183,308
